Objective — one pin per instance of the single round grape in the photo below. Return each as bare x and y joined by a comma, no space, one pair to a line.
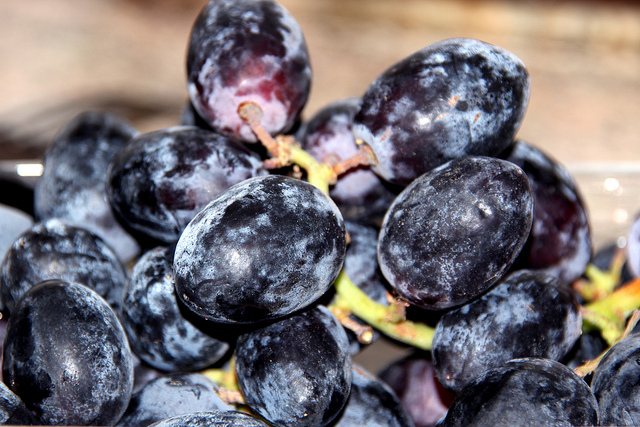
615,383
13,411
560,238
527,314
454,98
67,357
55,250
328,136
296,371
161,332
263,249
73,184
172,395
525,392
160,180
216,418
242,51
453,232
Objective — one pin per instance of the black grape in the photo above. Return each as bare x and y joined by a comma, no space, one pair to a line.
296,371
13,411
359,193
169,396
212,419
560,238
67,357
525,392
247,50
371,403
413,380
528,314
55,250
161,332
454,98
616,382
453,232
73,184
160,180
263,249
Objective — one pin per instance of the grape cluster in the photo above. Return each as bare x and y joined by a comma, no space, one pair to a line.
228,270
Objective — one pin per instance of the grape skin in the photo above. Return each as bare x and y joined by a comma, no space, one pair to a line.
453,232
296,371
453,98
528,314
212,419
67,357
263,249
247,50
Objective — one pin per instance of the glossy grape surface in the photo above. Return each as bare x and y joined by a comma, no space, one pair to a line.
263,249
247,50
560,238
161,332
55,250
525,392
73,184
616,383
454,98
453,232
169,396
296,371
162,179
528,314
212,419
67,357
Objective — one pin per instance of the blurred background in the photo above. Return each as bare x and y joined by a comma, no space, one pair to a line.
58,58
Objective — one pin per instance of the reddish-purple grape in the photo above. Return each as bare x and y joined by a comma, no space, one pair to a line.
454,98
247,50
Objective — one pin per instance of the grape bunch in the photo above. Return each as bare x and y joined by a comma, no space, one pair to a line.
228,270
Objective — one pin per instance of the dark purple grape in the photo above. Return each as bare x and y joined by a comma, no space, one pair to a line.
451,99
528,314
162,179
73,184
525,392
160,331
13,222
616,383
263,249
55,250
414,381
371,403
560,238
359,193
13,411
247,50
453,232
67,357
212,419
172,395
296,371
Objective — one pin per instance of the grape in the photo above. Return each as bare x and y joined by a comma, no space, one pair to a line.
296,371
160,332
73,184
528,314
633,247
371,403
263,249
55,250
13,222
413,380
453,98
212,419
162,179
13,411
359,193
560,238
525,392
453,232
169,396
247,51
615,383
67,357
